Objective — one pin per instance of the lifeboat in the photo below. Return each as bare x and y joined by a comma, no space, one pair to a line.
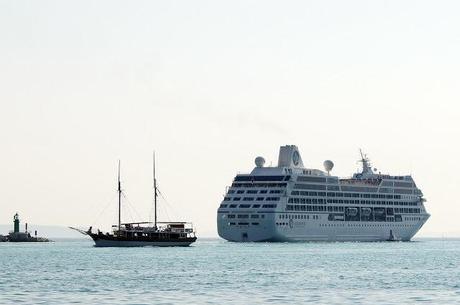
366,212
352,211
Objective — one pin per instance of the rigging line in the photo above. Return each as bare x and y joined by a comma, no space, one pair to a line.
103,210
152,206
130,205
165,211
94,208
167,203
129,213
151,211
166,208
130,209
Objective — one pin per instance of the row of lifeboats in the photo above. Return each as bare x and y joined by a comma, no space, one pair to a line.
364,211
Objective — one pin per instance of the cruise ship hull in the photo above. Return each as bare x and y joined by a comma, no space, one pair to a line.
305,231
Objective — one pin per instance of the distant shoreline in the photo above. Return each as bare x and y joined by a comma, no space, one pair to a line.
56,232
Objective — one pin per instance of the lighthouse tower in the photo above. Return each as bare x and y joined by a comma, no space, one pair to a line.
16,223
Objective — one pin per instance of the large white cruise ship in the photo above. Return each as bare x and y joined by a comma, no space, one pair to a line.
289,202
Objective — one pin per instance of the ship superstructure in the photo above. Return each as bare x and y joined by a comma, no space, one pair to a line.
290,202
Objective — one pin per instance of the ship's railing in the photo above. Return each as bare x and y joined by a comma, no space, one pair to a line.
162,227
352,181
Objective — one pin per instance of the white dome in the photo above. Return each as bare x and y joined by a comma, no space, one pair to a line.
260,161
328,165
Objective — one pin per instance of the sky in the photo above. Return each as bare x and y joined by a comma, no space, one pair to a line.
210,85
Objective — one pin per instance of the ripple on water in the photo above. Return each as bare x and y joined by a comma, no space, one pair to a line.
218,272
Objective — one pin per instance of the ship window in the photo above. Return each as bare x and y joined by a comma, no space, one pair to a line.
255,223
248,198
311,179
236,198
260,178
310,186
254,216
231,216
260,198
256,206
243,216
223,205
244,206
251,192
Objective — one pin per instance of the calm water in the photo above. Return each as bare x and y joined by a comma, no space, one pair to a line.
217,272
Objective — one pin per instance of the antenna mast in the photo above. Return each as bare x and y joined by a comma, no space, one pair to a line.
155,192
119,200
366,163
363,157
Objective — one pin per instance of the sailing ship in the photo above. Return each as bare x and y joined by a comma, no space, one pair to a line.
141,234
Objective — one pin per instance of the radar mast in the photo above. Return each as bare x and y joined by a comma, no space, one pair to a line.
367,169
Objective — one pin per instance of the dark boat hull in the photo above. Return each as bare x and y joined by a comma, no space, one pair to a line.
111,241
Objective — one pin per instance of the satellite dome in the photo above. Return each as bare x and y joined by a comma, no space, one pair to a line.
260,161
328,165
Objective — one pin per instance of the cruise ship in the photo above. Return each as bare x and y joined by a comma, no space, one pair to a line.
290,202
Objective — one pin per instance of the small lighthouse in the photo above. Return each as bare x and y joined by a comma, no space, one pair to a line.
17,236
16,223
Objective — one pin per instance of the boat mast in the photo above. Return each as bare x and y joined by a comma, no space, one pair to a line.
119,199
155,192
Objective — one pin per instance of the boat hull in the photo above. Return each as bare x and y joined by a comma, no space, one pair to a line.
115,242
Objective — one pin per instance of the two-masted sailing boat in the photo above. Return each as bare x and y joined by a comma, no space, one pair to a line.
140,234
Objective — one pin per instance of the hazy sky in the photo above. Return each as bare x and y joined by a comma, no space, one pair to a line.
212,84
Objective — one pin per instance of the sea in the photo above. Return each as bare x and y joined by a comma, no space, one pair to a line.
214,271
